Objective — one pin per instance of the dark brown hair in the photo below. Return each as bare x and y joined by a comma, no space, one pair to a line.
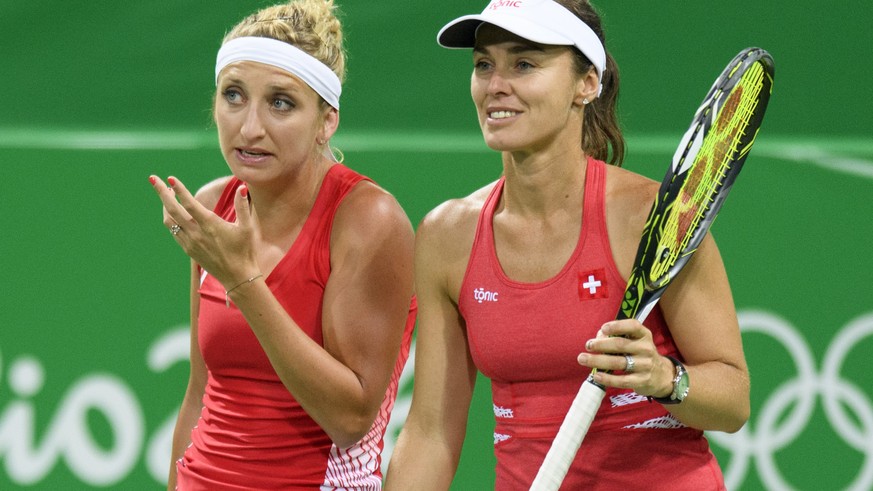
601,133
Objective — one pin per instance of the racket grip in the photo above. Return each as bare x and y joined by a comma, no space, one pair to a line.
569,437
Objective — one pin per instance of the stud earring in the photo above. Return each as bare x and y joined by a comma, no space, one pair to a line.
585,101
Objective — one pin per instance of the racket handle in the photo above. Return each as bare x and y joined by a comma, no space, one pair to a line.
569,437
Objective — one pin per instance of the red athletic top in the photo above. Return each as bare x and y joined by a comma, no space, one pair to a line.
252,433
525,337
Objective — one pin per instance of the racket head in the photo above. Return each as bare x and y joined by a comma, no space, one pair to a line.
706,163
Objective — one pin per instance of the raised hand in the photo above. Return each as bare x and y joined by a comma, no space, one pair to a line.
222,248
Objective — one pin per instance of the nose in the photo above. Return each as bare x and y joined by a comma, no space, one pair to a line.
498,83
252,127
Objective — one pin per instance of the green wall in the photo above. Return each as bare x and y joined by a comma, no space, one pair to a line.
93,290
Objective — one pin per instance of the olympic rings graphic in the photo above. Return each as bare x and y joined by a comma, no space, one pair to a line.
768,432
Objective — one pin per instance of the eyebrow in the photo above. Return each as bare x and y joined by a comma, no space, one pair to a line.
290,88
230,81
285,88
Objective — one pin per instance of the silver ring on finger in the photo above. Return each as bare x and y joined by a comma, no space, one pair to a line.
175,229
629,368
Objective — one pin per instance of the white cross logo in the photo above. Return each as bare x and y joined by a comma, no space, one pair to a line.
592,284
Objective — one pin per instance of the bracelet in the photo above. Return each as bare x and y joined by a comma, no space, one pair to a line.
227,292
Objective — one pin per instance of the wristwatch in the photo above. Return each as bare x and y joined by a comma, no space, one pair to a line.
680,385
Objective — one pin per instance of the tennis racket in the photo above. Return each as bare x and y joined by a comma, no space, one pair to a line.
709,157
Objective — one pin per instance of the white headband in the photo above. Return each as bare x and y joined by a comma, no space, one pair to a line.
282,55
540,21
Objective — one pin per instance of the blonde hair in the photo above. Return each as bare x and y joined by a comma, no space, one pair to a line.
310,25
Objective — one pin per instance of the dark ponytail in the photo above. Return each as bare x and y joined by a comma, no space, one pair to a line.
601,133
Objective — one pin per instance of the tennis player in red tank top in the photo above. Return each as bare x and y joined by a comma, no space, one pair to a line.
302,304
521,281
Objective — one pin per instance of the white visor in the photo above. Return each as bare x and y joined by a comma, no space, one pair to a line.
540,21
282,55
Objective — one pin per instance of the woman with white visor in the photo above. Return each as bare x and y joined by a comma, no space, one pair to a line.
522,279
302,304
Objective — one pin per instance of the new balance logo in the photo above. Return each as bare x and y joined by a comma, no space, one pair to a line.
483,296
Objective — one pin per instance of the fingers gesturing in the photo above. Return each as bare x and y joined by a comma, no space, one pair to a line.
222,248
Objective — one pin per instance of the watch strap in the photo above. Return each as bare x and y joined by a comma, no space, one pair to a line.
674,398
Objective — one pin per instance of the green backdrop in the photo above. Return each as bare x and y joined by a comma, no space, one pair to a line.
93,350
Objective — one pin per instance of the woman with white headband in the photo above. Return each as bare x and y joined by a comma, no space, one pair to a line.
302,292
517,279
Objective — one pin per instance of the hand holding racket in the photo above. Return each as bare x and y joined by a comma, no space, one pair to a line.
709,157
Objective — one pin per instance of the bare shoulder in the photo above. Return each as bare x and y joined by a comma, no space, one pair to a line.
209,194
454,220
629,198
444,239
370,207
370,223
630,194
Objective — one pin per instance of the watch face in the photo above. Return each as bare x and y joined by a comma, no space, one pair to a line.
680,388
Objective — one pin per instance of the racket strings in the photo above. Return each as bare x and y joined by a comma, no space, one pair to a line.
721,147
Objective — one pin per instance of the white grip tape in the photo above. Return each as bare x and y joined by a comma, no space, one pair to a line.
569,438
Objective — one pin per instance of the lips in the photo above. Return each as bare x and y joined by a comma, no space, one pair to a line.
252,155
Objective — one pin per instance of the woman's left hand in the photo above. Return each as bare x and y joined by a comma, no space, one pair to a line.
222,248
625,349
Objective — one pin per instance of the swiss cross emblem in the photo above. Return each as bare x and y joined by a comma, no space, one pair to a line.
592,284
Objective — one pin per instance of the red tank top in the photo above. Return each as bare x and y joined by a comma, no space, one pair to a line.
252,433
525,337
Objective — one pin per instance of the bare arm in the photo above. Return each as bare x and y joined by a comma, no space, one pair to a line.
698,308
700,311
366,303
192,403
429,447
